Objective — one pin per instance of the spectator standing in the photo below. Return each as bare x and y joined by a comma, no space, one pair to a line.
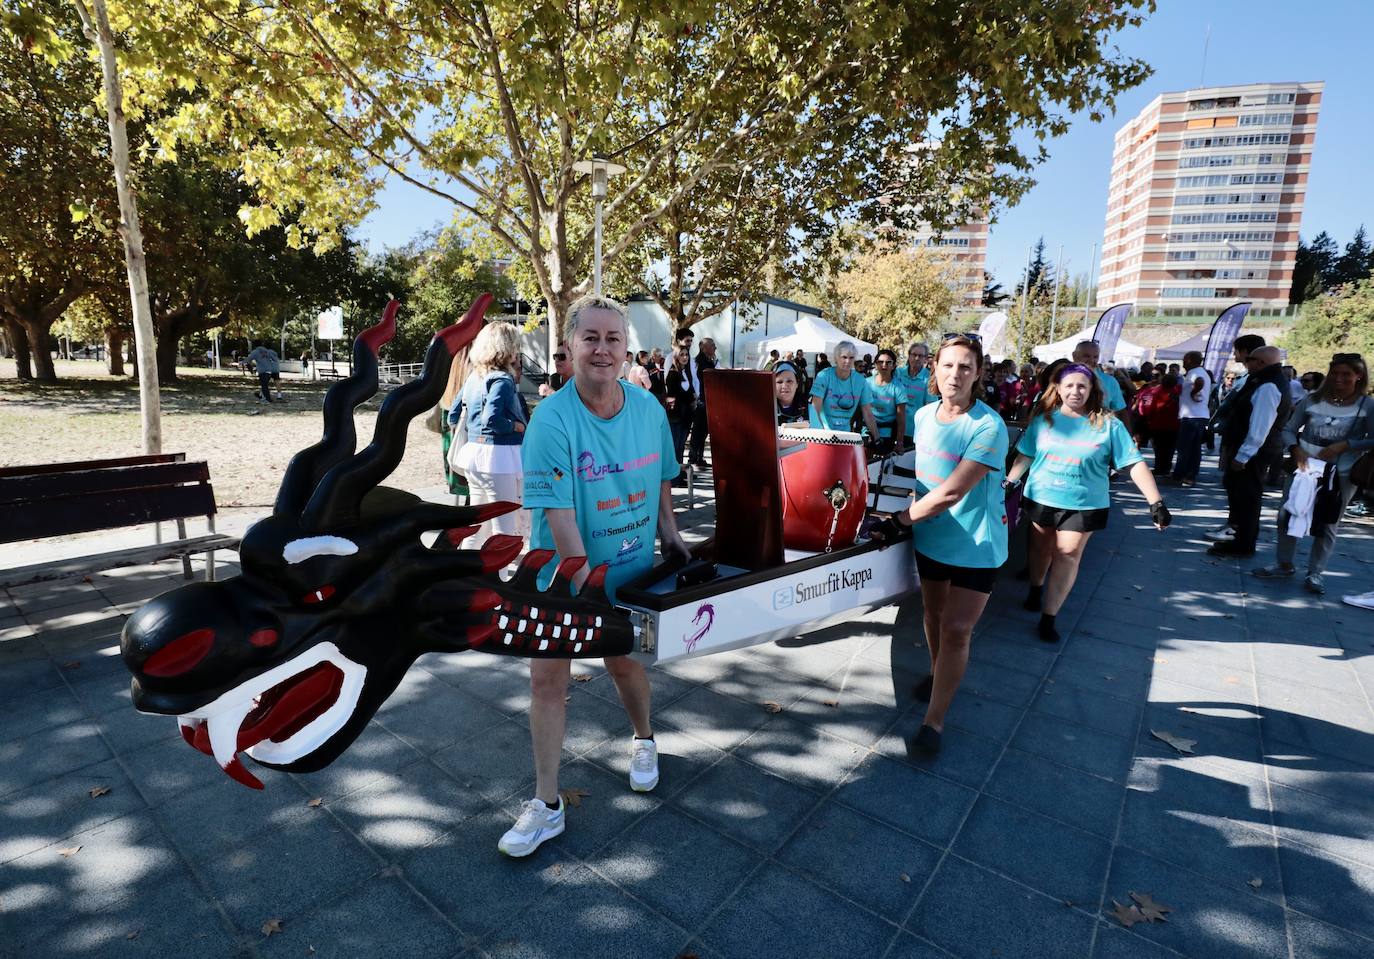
839,394
1088,353
451,434
1326,433
639,372
1065,457
268,367
1193,413
491,408
680,398
804,378
562,372
889,402
1253,427
771,361
1240,349
705,360
576,434
914,379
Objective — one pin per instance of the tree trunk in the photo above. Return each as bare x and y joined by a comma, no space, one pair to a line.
40,348
114,352
19,341
167,345
96,25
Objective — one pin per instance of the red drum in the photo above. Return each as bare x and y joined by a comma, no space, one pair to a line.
824,489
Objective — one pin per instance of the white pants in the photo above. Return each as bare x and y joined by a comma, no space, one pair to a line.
497,488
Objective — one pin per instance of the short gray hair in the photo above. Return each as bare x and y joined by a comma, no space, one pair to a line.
849,345
593,301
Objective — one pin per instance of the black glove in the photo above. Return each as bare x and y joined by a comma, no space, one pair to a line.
1160,514
887,531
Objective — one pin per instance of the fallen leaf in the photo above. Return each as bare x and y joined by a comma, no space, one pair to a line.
1127,916
1178,742
1151,910
98,791
832,703
1068,902
73,664
904,877
1231,680
582,678
1160,659
132,936
1139,588
271,926
87,579
573,797
315,803
69,851
567,699
1110,679
687,955
1255,883
773,707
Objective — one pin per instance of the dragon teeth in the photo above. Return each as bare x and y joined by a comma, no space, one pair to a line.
223,729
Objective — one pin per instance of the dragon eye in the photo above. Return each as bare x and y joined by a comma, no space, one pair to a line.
318,596
181,654
263,637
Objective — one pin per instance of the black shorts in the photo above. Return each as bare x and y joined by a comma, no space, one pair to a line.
978,579
1072,520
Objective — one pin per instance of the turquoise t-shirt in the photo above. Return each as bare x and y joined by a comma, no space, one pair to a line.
1071,459
885,400
973,532
840,399
1111,391
608,471
917,393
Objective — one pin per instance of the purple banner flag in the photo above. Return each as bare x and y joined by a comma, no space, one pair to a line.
1224,333
1107,333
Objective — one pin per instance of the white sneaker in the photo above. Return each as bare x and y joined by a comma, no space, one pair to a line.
643,765
1222,534
279,396
1362,600
537,823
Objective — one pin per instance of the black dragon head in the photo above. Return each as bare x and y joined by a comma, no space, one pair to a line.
339,595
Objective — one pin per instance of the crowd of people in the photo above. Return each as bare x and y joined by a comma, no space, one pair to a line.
990,441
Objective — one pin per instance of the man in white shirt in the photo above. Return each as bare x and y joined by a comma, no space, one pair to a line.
1193,415
1241,350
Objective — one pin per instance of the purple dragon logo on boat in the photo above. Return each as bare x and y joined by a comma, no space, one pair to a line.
705,612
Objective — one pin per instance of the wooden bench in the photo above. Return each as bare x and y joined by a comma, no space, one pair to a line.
60,499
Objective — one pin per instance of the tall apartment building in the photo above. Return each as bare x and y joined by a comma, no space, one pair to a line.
966,247
1206,197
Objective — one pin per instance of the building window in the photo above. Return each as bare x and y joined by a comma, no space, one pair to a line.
1188,291
1275,99
1266,120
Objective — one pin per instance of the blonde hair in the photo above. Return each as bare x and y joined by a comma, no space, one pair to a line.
593,302
457,376
496,347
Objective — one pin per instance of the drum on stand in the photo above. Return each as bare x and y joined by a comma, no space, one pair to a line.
824,489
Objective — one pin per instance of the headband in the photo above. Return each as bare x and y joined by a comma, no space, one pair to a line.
1073,368
784,368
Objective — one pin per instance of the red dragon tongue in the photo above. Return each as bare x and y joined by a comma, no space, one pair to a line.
237,773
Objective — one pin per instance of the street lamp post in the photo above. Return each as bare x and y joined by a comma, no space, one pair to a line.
601,169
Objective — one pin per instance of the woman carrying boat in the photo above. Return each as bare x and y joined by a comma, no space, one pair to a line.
1065,456
839,393
889,401
961,539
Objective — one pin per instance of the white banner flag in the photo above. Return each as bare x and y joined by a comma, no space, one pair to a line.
330,324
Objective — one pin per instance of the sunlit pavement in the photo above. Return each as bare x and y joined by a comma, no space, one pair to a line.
800,832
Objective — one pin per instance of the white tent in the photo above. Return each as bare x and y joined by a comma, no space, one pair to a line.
814,335
1127,354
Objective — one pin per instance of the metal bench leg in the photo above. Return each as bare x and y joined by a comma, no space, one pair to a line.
185,557
210,563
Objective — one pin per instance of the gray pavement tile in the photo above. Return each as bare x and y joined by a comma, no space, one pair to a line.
1340,828
1219,728
707,668
1349,737
721,721
477,887
838,713
1350,708
110,692
588,917
495,765
801,753
1317,940
911,799
964,757
1189,783
1208,919
1118,659
438,718
1130,685
861,859
35,711
169,917
1336,891
812,662
908,946
128,730
1074,745
408,809
221,815
379,918
1330,776
881,684
747,804
1108,714
1114,942
1071,796
677,865
663,688
168,768
1047,855
90,660
286,870
498,681
49,753
1008,686
595,724
1314,662
25,669
607,809
374,754
1184,677
55,810
1024,652
681,758
1131,632
978,714
973,912
784,915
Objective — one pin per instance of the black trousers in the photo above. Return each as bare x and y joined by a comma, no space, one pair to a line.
697,447
265,385
1165,444
1245,496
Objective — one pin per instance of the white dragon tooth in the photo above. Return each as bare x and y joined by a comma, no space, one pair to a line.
223,728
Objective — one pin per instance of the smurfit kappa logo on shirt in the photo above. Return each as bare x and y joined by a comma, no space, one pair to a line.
589,471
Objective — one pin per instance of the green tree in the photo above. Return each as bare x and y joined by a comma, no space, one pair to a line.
1342,321
893,295
490,104
993,293
1313,268
1039,275
1354,263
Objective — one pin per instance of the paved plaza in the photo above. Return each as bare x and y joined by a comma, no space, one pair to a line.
797,831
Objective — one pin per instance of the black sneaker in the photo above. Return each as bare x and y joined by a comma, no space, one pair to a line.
926,742
1230,549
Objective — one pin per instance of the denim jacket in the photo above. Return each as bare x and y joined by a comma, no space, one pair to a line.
492,406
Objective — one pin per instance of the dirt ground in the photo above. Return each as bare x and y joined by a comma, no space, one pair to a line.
208,415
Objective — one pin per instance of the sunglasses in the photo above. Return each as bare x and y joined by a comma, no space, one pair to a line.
1347,358
968,336
560,356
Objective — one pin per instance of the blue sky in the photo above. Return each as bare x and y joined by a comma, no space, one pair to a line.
1251,42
